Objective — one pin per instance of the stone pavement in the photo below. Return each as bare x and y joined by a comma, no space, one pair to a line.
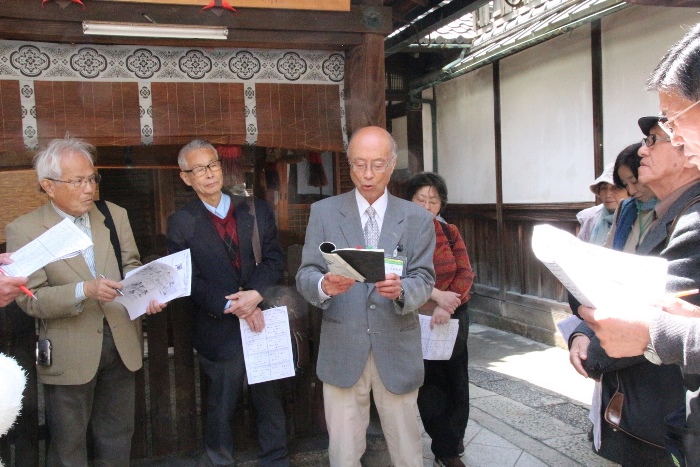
529,408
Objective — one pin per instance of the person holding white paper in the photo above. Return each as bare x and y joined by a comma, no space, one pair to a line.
443,400
227,286
9,286
640,436
95,347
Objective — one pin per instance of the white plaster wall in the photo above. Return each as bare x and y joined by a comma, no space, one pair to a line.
633,42
465,135
547,121
399,130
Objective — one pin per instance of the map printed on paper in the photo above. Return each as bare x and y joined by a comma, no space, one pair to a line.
163,280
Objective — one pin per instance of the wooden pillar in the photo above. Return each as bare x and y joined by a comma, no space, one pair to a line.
414,123
365,86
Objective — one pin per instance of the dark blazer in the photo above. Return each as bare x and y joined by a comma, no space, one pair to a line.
662,385
217,336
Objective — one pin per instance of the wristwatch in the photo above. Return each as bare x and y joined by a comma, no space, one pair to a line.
651,355
402,296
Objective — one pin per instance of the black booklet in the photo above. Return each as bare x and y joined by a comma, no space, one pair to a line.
363,265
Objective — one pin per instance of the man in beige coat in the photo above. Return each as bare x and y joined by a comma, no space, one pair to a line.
95,347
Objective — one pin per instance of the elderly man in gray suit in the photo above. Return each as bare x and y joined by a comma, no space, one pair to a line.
370,336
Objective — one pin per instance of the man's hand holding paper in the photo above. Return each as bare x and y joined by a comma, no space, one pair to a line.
334,284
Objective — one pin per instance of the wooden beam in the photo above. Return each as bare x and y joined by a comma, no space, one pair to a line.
329,5
55,31
360,19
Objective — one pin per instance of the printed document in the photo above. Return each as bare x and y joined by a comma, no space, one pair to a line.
163,279
600,277
268,354
439,342
62,241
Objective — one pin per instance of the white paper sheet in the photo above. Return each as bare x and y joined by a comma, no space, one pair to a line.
599,277
163,279
439,342
268,354
63,240
568,326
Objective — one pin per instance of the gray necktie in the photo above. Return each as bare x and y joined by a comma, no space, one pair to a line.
371,229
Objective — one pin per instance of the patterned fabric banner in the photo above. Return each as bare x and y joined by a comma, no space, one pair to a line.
79,62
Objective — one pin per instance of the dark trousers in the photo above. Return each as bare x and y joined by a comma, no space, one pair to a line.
225,387
443,400
106,404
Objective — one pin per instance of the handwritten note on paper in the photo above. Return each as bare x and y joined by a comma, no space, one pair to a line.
268,354
438,342
63,240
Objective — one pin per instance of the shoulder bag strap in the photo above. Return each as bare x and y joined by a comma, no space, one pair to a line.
257,250
113,237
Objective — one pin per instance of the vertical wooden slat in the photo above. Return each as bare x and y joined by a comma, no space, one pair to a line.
498,154
11,138
159,384
597,95
139,444
180,314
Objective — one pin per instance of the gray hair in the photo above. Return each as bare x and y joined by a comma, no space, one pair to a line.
191,146
47,162
679,70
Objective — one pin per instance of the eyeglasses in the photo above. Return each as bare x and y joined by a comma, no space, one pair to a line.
652,139
377,167
200,170
81,182
429,202
665,122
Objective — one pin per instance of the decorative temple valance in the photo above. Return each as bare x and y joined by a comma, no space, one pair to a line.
129,95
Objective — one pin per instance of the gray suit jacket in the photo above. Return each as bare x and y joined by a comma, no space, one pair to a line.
361,320
76,333
676,339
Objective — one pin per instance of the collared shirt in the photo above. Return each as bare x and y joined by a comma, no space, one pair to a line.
379,206
221,209
88,253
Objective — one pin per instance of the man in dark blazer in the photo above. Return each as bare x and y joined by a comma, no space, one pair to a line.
370,336
227,286
96,348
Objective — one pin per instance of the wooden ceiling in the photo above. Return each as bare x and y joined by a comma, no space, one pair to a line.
61,21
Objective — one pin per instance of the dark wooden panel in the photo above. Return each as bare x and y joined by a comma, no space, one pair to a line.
11,138
365,83
524,274
104,114
161,421
184,111
180,317
299,116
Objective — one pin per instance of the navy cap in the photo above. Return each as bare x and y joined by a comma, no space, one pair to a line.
647,123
